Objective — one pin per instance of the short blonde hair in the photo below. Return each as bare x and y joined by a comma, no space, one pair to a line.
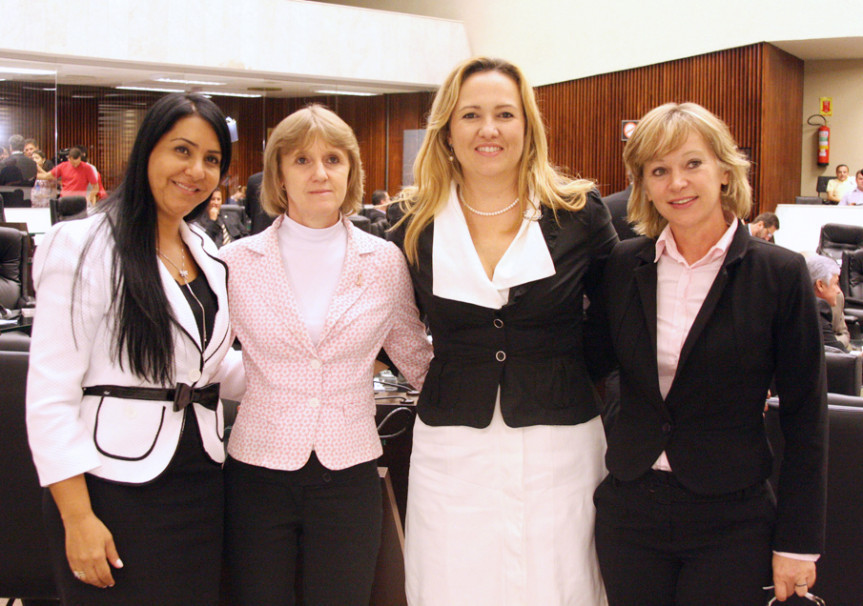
434,171
298,131
664,129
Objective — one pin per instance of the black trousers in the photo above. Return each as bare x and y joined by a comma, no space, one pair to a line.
327,522
660,544
168,533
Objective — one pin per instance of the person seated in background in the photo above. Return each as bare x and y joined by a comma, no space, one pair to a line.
616,204
841,185
855,196
77,178
222,227
43,189
824,275
764,226
17,169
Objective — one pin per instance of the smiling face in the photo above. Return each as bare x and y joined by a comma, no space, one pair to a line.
685,185
486,129
841,172
29,148
316,181
183,168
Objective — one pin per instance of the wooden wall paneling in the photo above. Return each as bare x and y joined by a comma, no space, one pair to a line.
583,116
781,129
407,111
27,109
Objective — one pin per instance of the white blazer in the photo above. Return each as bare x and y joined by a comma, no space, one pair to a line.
73,346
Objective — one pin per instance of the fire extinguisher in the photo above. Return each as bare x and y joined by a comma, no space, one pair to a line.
823,145
823,139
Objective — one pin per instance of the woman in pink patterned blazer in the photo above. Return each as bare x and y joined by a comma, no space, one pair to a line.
313,300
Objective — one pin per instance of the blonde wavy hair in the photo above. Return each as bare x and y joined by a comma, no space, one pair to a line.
433,170
664,129
298,131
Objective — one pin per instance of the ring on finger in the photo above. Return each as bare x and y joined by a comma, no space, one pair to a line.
801,584
79,574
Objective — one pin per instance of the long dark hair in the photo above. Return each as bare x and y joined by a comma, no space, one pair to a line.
144,320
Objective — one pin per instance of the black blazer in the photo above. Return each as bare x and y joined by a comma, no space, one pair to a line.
758,321
214,228
616,204
531,347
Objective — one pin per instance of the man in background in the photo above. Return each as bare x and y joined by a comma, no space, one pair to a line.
764,226
841,185
77,178
824,276
855,196
18,169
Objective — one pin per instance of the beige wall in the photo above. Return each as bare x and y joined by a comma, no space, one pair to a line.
843,81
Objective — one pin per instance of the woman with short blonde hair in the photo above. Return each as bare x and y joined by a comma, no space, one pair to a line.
703,318
297,130
316,299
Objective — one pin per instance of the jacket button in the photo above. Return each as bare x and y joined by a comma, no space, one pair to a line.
314,402
498,323
500,356
194,375
315,363
666,428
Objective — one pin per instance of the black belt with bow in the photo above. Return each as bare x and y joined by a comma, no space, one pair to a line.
181,394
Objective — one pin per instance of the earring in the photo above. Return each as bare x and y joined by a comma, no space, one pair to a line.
451,153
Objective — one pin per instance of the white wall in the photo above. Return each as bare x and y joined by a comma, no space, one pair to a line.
843,81
559,40
286,37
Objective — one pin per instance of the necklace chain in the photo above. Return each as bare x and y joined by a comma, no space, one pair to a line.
184,274
483,213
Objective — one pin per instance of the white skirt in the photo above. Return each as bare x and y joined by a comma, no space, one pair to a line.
503,516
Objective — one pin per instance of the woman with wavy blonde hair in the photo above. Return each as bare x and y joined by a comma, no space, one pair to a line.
508,444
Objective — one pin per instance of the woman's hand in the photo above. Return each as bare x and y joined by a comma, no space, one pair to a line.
792,576
89,548
89,544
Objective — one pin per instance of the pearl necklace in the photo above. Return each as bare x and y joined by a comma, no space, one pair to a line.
483,213
184,274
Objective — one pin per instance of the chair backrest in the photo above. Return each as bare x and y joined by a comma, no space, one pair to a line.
2,210
67,208
836,237
362,222
13,197
25,570
14,250
839,580
844,373
807,200
821,184
851,274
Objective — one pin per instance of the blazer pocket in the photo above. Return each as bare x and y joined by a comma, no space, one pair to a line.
127,429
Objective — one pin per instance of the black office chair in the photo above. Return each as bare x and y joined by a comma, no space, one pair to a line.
67,208
14,198
807,200
25,569
14,267
837,237
839,579
844,373
362,222
821,185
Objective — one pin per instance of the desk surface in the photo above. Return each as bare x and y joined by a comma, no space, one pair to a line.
800,224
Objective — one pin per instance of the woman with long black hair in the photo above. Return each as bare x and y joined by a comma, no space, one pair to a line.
129,348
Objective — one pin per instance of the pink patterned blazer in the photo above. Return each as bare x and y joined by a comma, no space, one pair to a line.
300,397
